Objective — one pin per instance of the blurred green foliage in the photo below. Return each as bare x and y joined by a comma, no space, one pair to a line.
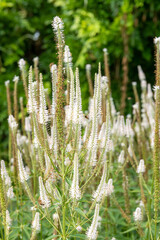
90,26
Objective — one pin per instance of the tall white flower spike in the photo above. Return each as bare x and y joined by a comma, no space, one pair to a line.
36,222
45,202
22,172
92,231
75,190
141,167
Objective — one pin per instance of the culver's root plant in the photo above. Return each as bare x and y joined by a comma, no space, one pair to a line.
76,175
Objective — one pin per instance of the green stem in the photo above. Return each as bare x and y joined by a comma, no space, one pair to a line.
63,200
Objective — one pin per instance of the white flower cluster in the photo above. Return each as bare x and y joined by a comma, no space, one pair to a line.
21,64
28,127
92,231
67,56
122,129
138,215
121,157
36,222
43,112
16,79
79,228
157,40
12,123
4,174
100,192
7,181
88,67
32,88
36,60
45,202
10,193
8,220
141,74
22,171
109,187
141,167
7,83
57,23
105,50
75,190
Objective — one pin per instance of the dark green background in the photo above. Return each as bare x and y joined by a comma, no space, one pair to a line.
90,26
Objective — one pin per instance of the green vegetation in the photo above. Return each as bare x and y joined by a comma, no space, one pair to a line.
90,26
74,174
